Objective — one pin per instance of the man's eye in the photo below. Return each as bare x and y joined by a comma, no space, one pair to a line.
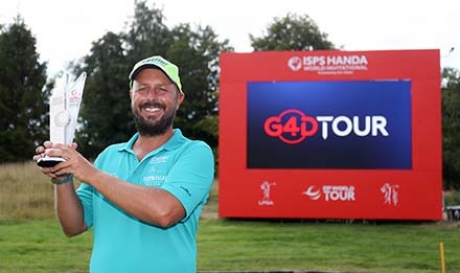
142,89
162,89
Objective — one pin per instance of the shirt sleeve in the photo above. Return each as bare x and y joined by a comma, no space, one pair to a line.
85,194
191,177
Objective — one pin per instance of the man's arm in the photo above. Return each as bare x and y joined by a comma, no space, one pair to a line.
151,205
67,204
69,209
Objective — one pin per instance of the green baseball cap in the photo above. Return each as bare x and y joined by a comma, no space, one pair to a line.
171,70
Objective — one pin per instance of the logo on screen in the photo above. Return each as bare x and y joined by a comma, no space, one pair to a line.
293,126
329,124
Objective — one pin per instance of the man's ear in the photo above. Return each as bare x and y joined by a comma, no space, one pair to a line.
180,99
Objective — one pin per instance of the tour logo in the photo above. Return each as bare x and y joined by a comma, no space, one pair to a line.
331,193
336,124
293,126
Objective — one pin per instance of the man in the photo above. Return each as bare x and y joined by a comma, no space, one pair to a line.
144,197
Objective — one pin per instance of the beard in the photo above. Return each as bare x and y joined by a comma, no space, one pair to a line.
151,127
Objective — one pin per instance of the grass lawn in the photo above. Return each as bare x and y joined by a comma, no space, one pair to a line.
40,246
232,245
258,245
31,239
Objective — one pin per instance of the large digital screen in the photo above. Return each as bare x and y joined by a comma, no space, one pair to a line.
331,125
330,135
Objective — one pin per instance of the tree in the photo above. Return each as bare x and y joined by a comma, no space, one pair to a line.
106,115
23,98
147,33
451,128
293,32
197,51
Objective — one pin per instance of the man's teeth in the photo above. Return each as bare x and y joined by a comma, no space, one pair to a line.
152,109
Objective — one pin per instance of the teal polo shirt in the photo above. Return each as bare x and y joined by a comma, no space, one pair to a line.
123,243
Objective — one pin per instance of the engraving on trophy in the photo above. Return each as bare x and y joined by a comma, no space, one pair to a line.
62,119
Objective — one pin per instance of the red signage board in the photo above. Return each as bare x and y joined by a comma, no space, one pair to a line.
330,135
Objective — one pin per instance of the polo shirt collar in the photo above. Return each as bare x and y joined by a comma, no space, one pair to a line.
176,140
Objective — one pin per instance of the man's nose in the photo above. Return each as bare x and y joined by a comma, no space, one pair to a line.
152,92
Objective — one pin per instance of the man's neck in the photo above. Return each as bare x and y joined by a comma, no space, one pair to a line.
146,144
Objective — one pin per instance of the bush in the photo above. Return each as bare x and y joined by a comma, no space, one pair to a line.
452,198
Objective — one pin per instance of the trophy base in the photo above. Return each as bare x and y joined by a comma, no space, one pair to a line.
47,162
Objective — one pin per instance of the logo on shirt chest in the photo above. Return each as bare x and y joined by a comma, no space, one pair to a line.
154,180
158,159
155,173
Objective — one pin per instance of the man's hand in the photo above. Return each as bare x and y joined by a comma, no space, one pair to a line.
73,162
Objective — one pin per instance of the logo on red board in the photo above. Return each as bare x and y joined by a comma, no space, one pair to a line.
313,192
390,194
329,64
295,63
266,188
331,193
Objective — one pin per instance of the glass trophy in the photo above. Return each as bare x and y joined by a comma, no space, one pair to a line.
64,106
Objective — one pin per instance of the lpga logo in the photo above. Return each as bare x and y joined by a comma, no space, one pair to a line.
266,187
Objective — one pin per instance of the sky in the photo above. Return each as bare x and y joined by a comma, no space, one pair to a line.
65,29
